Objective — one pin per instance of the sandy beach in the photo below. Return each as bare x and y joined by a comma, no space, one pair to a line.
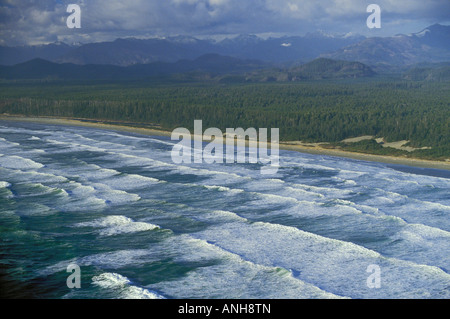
311,148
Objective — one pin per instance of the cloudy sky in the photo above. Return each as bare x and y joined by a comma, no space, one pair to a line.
44,21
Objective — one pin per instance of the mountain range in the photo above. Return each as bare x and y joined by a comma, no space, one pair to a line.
129,51
429,45
209,66
424,55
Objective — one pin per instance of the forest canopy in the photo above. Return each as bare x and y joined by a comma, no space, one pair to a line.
309,111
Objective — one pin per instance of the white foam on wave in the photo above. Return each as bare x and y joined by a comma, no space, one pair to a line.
7,129
38,189
5,191
298,207
305,206
112,260
114,196
369,211
228,275
134,160
56,142
4,184
271,199
218,216
415,242
80,198
224,189
32,176
143,161
131,181
17,162
73,146
93,172
126,138
115,225
366,214
410,209
275,180
204,171
80,190
349,174
4,143
100,192
123,287
423,244
326,262
344,181
325,191
307,165
100,143
304,193
34,138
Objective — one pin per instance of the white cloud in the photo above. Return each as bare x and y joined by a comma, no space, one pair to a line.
44,20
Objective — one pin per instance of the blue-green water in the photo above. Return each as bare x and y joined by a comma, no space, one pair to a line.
139,226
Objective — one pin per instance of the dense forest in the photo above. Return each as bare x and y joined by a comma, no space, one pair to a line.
310,111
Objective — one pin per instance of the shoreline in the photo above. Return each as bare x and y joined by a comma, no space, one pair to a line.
289,146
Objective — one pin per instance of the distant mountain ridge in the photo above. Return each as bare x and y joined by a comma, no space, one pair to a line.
209,63
430,45
129,51
19,54
439,72
209,66
317,69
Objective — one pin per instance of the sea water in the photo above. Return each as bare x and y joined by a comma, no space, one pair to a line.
140,226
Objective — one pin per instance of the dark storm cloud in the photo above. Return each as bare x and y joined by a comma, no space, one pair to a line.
25,22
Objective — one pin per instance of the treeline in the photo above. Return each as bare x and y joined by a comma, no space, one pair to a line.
307,111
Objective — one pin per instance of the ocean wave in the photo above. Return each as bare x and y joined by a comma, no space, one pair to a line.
131,181
37,189
111,260
5,192
99,192
4,143
224,189
123,287
125,138
74,146
232,277
310,232
115,225
6,129
304,193
4,184
17,162
326,262
93,172
221,216
36,209
32,176
113,196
